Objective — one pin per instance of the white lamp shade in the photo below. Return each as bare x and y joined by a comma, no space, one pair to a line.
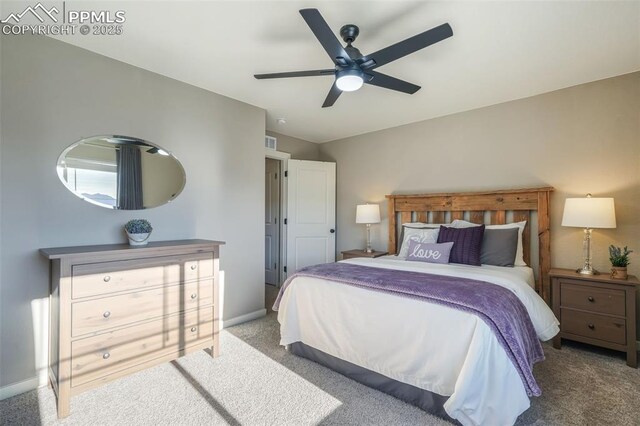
589,213
368,213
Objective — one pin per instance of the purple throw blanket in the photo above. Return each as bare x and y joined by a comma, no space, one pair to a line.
497,306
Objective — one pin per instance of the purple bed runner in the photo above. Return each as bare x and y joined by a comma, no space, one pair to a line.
497,306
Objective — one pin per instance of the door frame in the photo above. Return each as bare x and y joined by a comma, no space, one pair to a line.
283,158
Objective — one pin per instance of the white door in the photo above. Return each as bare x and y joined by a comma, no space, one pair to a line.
311,214
271,221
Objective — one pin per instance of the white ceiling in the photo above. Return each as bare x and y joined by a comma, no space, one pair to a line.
500,51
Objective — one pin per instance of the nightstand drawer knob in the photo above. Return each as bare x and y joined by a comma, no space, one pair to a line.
591,326
106,279
590,299
193,329
193,267
106,355
193,296
107,314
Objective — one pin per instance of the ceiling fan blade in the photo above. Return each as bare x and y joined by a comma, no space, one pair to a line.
332,97
388,82
325,36
310,73
406,47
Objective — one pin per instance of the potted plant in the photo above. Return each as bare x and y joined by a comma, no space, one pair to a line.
619,260
138,231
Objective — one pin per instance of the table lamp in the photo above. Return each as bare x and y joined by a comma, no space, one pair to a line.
368,214
589,213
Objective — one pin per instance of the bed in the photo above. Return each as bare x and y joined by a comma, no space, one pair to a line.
450,362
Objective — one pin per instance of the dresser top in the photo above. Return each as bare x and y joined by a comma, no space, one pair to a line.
155,246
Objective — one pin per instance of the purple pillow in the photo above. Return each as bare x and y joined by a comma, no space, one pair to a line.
467,243
429,252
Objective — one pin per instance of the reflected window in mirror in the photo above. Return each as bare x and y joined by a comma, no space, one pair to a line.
120,172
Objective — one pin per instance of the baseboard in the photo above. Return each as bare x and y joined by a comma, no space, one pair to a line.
17,388
244,318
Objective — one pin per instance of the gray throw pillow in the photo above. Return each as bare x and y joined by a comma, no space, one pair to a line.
413,226
499,247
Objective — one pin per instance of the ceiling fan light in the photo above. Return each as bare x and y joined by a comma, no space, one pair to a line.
349,80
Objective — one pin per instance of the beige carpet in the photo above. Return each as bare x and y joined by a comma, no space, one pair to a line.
256,382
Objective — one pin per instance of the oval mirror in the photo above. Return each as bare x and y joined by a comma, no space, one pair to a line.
121,172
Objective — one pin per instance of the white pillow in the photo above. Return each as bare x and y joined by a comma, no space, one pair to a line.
420,235
519,260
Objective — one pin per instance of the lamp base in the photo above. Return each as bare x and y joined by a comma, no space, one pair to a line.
587,271
368,250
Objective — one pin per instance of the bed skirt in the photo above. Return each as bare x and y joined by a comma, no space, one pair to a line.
423,399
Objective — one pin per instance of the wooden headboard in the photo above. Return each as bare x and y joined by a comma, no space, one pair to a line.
514,204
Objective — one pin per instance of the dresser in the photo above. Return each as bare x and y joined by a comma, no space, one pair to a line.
595,309
117,309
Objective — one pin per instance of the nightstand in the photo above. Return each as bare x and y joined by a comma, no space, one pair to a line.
350,254
595,309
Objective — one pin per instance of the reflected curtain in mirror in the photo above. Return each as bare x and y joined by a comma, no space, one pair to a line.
121,172
129,166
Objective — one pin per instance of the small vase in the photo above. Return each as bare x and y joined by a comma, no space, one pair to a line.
619,272
138,239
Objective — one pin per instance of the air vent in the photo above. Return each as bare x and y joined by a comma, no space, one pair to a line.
270,142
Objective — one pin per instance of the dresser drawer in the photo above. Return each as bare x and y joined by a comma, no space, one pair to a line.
96,279
601,327
594,299
102,355
96,315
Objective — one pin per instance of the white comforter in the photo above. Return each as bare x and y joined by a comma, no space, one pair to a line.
433,347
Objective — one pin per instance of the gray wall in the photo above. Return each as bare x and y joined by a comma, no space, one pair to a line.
298,148
54,94
581,139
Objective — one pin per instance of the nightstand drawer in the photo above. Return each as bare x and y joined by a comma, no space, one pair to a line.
594,299
595,326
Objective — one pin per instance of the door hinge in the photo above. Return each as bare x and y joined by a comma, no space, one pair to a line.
285,220
285,269
286,173
275,266
276,176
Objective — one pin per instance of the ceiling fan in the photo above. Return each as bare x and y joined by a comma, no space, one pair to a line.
352,69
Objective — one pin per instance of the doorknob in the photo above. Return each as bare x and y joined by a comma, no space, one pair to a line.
333,231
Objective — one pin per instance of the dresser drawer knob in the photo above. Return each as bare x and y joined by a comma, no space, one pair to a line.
193,296
590,299
193,267
193,329
106,355
106,279
591,326
107,314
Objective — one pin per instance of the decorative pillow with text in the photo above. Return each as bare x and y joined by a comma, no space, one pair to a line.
429,252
